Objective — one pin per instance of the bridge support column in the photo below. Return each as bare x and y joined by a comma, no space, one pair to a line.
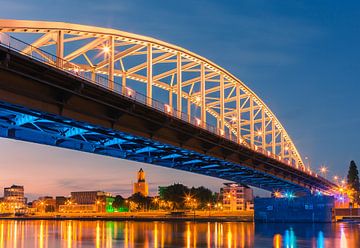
179,84
111,62
60,48
222,104
123,82
297,209
149,76
252,135
238,114
202,93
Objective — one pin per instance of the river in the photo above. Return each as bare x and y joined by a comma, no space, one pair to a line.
53,234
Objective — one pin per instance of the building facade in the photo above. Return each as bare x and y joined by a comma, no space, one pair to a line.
44,204
13,200
141,186
86,202
15,193
236,197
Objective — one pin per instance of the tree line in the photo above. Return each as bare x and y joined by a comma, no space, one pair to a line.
174,197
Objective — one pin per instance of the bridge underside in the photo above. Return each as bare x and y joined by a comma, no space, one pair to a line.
34,126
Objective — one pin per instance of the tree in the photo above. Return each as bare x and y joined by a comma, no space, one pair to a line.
202,195
119,202
176,193
353,180
142,201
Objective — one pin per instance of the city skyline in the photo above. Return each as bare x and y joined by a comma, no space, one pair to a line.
263,50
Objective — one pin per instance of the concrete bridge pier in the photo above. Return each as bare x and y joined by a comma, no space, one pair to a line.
294,209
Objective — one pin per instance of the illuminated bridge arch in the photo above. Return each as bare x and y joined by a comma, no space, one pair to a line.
194,88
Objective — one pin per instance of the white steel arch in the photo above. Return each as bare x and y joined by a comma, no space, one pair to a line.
187,82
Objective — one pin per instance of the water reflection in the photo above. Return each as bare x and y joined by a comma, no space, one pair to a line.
129,234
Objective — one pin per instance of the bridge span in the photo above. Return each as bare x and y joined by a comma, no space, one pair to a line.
137,98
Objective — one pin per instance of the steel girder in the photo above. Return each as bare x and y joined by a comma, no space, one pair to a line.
54,130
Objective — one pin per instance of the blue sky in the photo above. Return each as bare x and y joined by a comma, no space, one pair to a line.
300,57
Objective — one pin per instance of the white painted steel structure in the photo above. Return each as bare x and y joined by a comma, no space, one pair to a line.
189,84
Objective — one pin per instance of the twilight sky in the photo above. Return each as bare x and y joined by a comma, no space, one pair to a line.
300,57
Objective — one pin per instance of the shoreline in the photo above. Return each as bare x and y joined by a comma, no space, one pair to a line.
135,218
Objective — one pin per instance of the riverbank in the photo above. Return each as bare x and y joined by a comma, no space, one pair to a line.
201,216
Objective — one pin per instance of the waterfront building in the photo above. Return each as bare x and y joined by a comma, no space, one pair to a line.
86,202
15,193
44,204
237,197
60,200
88,197
13,200
141,186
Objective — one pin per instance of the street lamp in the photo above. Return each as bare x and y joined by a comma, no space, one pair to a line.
323,171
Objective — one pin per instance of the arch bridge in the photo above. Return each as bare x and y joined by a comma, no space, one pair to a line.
135,97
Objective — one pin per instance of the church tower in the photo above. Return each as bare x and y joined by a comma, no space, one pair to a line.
141,185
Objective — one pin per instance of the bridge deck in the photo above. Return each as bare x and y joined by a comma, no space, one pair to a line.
42,104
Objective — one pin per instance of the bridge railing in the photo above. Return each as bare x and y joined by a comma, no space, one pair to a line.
35,53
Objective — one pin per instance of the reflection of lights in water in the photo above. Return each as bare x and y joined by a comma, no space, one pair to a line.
277,241
69,240
15,234
97,234
343,240
188,235
156,235
126,235
216,234
162,234
2,234
109,229
195,235
320,240
101,234
41,235
229,236
242,236
208,235
290,239
221,234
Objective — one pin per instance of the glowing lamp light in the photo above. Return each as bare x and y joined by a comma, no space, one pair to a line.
233,118
129,92
259,133
167,108
289,195
197,99
286,148
106,49
222,132
198,122
76,70
277,194
343,182
323,169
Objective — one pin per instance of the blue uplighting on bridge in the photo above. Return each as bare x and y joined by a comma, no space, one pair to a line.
24,124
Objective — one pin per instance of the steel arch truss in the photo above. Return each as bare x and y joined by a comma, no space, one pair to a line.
186,82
